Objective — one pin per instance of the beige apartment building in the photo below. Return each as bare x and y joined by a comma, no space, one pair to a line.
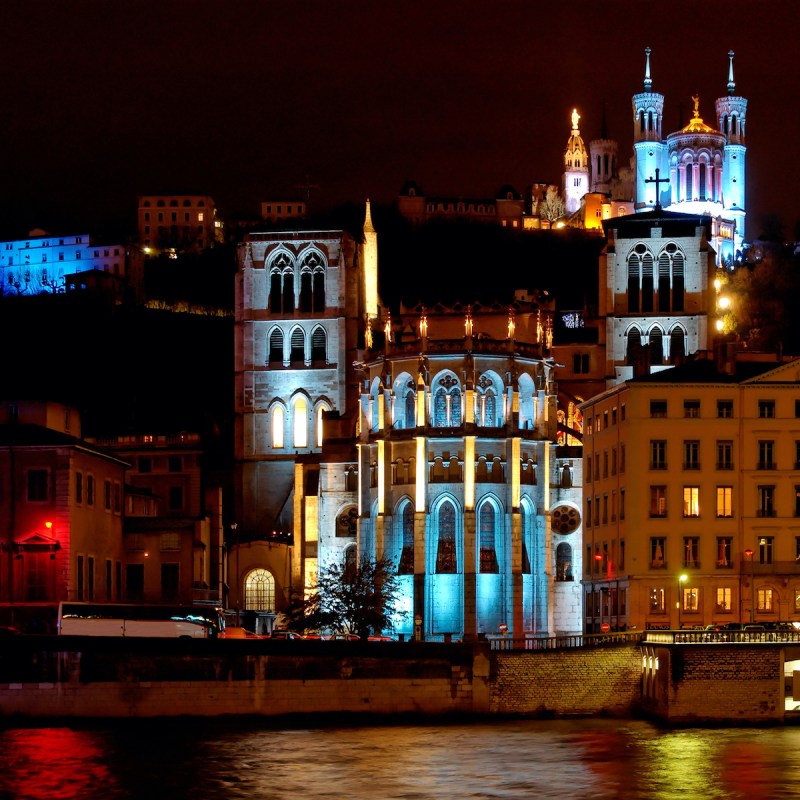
692,497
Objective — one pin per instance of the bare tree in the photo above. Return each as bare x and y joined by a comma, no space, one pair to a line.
552,207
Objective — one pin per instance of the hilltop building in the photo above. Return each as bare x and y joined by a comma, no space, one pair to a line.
178,223
44,263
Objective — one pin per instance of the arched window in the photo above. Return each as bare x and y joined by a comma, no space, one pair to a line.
634,346
350,561
563,562
447,403
305,290
633,283
319,345
319,290
440,409
677,281
677,346
320,412
663,282
298,350
701,179
446,542
527,538
259,591
277,427
689,181
406,565
410,409
288,292
656,346
276,347
300,423
647,282
488,552
275,291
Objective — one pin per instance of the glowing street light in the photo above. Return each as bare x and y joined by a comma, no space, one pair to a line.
681,580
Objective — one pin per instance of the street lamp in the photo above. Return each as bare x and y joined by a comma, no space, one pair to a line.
681,580
751,555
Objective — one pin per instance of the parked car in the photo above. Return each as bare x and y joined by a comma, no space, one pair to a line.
7,631
381,639
237,632
344,637
284,635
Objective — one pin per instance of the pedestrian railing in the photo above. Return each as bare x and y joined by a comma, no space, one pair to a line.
565,642
721,637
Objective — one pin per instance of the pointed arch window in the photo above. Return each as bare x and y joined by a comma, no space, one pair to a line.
298,349
677,281
319,345
527,521
633,283
677,346
634,346
564,562
488,551
647,282
656,346
446,540
288,292
410,409
300,423
663,282
276,347
277,427
320,411
319,290
305,290
701,180
259,591
406,565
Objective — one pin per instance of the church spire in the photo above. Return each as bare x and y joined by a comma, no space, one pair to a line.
731,82
648,81
368,226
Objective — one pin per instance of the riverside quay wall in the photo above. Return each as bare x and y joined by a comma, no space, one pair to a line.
51,677
91,677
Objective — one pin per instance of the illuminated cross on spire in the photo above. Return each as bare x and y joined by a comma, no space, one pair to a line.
657,180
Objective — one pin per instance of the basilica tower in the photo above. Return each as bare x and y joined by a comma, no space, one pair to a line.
731,114
576,168
648,144
603,160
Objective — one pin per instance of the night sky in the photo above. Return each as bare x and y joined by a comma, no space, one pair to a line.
107,99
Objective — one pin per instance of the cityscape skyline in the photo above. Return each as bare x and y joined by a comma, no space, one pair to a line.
252,102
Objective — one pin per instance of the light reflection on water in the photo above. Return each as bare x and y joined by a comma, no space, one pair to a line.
497,761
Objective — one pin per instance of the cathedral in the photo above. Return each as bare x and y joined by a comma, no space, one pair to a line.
440,437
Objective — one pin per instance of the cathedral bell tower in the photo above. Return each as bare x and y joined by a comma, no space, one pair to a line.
732,115
648,144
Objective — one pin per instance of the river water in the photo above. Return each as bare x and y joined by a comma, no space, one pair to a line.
507,760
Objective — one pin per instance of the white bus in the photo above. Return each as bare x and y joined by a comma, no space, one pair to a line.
131,619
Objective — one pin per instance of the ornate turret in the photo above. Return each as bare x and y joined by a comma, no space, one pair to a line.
576,168
370,266
602,160
649,147
732,118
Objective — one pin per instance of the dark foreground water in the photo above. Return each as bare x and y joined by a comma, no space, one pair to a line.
508,760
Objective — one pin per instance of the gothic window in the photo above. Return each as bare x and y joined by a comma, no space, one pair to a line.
634,346
647,282
298,349
275,291
318,345
677,281
656,346
305,290
663,283
677,347
563,562
319,290
446,545
410,409
276,347
447,404
702,181
300,423
488,553
277,427
689,181
633,283
406,566
259,591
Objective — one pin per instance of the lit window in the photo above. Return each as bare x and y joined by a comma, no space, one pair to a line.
199,216
300,423
691,501
277,427
724,501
